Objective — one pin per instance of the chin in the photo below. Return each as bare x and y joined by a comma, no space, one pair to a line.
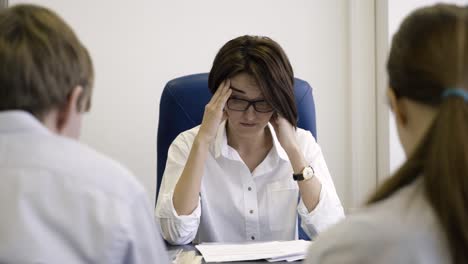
250,129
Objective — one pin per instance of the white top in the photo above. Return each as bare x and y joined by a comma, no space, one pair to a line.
236,205
61,202
400,229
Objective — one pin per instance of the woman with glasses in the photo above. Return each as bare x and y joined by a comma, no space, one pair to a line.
247,172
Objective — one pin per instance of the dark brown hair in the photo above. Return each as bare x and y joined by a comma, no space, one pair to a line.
429,54
264,60
41,61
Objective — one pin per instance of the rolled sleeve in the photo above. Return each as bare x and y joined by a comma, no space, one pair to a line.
329,209
325,214
177,229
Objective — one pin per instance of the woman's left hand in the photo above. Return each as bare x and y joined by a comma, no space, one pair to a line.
285,132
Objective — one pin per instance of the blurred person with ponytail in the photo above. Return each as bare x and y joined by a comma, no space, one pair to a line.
420,215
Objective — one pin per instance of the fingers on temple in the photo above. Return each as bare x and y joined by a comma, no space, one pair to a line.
225,92
218,92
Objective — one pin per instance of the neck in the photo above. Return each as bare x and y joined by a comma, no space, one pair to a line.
249,143
419,119
49,120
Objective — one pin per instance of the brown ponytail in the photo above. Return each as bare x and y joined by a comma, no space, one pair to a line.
429,54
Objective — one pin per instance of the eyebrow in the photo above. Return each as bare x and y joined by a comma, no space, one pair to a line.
237,90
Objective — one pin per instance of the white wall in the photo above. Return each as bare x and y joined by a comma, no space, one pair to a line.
139,45
362,117
313,34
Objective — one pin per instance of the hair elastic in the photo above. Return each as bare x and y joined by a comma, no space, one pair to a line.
457,92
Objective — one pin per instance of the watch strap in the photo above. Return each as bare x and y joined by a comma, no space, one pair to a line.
298,177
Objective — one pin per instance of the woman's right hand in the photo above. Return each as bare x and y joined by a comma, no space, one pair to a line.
214,113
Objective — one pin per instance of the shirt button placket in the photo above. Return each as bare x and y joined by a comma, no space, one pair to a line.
251,216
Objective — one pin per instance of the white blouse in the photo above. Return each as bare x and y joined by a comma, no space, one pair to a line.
400,229
236,205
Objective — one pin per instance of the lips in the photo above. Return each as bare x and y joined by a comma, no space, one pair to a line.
248,124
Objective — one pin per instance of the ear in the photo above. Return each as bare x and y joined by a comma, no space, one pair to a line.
397,107
69,116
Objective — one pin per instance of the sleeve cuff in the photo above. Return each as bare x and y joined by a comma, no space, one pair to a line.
177,229
324,215
167,210
308,217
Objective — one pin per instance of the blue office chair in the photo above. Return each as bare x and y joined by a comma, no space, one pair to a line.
182,106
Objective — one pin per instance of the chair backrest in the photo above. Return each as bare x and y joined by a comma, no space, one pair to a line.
183,103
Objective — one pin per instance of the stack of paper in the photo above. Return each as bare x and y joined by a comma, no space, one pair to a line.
271,251
187,257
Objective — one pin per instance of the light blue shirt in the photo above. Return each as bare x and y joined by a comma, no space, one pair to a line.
400,229
62,202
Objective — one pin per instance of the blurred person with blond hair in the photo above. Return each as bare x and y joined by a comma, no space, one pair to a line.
60,201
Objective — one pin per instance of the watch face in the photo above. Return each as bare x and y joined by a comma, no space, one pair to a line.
308,173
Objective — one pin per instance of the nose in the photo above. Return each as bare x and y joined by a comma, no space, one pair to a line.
250,113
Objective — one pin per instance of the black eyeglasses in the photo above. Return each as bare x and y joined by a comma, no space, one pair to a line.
241,105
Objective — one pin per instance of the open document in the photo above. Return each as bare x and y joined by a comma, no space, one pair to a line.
271,251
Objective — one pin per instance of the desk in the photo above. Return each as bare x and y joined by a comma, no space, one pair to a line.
191,247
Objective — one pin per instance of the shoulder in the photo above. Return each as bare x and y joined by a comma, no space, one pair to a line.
305,135
183,142
392,231
83,169
307,142
347,242
187,136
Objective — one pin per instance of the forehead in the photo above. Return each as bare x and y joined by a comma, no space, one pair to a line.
244,84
